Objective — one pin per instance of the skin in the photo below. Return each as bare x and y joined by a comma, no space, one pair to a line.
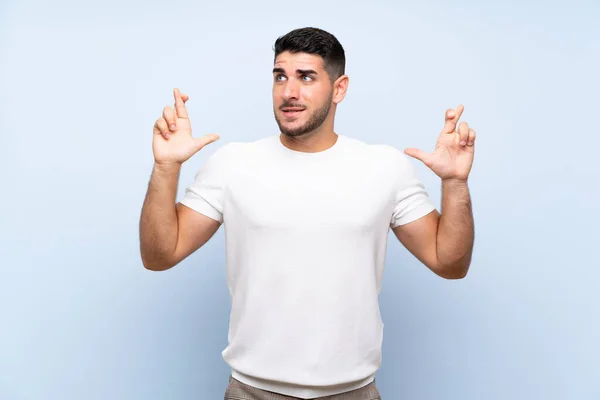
170,232
300,79
444,242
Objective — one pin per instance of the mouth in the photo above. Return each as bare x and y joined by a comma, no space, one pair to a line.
291,112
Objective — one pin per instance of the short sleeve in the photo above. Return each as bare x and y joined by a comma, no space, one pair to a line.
205,193
412,200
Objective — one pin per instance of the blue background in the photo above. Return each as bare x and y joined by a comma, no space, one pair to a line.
83,82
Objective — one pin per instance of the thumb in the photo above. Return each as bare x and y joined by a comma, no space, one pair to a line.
205,140
420,155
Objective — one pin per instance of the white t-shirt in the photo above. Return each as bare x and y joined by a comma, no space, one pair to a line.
306,237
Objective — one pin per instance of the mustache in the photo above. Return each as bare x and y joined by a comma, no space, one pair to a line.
291,105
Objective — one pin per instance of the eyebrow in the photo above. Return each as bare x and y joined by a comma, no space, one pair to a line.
298,71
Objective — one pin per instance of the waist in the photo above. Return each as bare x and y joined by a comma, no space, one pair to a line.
305,391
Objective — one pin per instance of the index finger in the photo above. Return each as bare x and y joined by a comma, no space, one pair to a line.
179,104
451,118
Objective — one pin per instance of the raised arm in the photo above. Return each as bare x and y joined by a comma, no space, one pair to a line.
169,232
444,243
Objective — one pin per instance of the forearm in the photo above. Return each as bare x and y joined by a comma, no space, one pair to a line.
158,221
455,234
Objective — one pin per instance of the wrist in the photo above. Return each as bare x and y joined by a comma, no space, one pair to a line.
167,167
455,185
455,181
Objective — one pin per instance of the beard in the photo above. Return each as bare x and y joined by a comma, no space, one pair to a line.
314,121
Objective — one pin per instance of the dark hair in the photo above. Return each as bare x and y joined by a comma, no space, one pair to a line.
315,41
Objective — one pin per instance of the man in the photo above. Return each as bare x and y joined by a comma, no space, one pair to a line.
307,214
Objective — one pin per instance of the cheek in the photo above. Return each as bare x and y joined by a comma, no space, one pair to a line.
317,95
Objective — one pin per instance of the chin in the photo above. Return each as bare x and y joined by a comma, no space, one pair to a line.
292,129
293,133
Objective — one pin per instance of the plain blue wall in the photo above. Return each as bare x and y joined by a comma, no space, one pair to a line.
82,84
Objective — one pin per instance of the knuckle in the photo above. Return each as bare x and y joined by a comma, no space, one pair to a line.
159,124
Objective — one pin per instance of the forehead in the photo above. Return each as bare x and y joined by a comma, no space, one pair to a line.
293,61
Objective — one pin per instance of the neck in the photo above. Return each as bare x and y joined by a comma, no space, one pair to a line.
318,140
312,142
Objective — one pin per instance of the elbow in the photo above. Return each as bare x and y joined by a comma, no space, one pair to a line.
454,271
455,275
154,258
154,264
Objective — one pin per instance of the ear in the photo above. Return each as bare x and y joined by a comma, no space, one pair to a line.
340,87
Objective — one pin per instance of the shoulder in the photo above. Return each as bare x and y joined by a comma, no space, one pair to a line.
236,152
381,153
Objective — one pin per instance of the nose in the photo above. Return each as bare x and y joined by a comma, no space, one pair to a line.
291,90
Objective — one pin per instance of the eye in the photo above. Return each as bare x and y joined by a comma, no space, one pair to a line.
279,77
307,78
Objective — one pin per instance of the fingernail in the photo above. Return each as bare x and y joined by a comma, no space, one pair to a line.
462,143
173,127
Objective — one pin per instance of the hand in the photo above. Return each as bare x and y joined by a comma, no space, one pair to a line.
453,154
173,142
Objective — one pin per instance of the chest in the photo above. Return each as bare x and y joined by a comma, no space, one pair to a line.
347,196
